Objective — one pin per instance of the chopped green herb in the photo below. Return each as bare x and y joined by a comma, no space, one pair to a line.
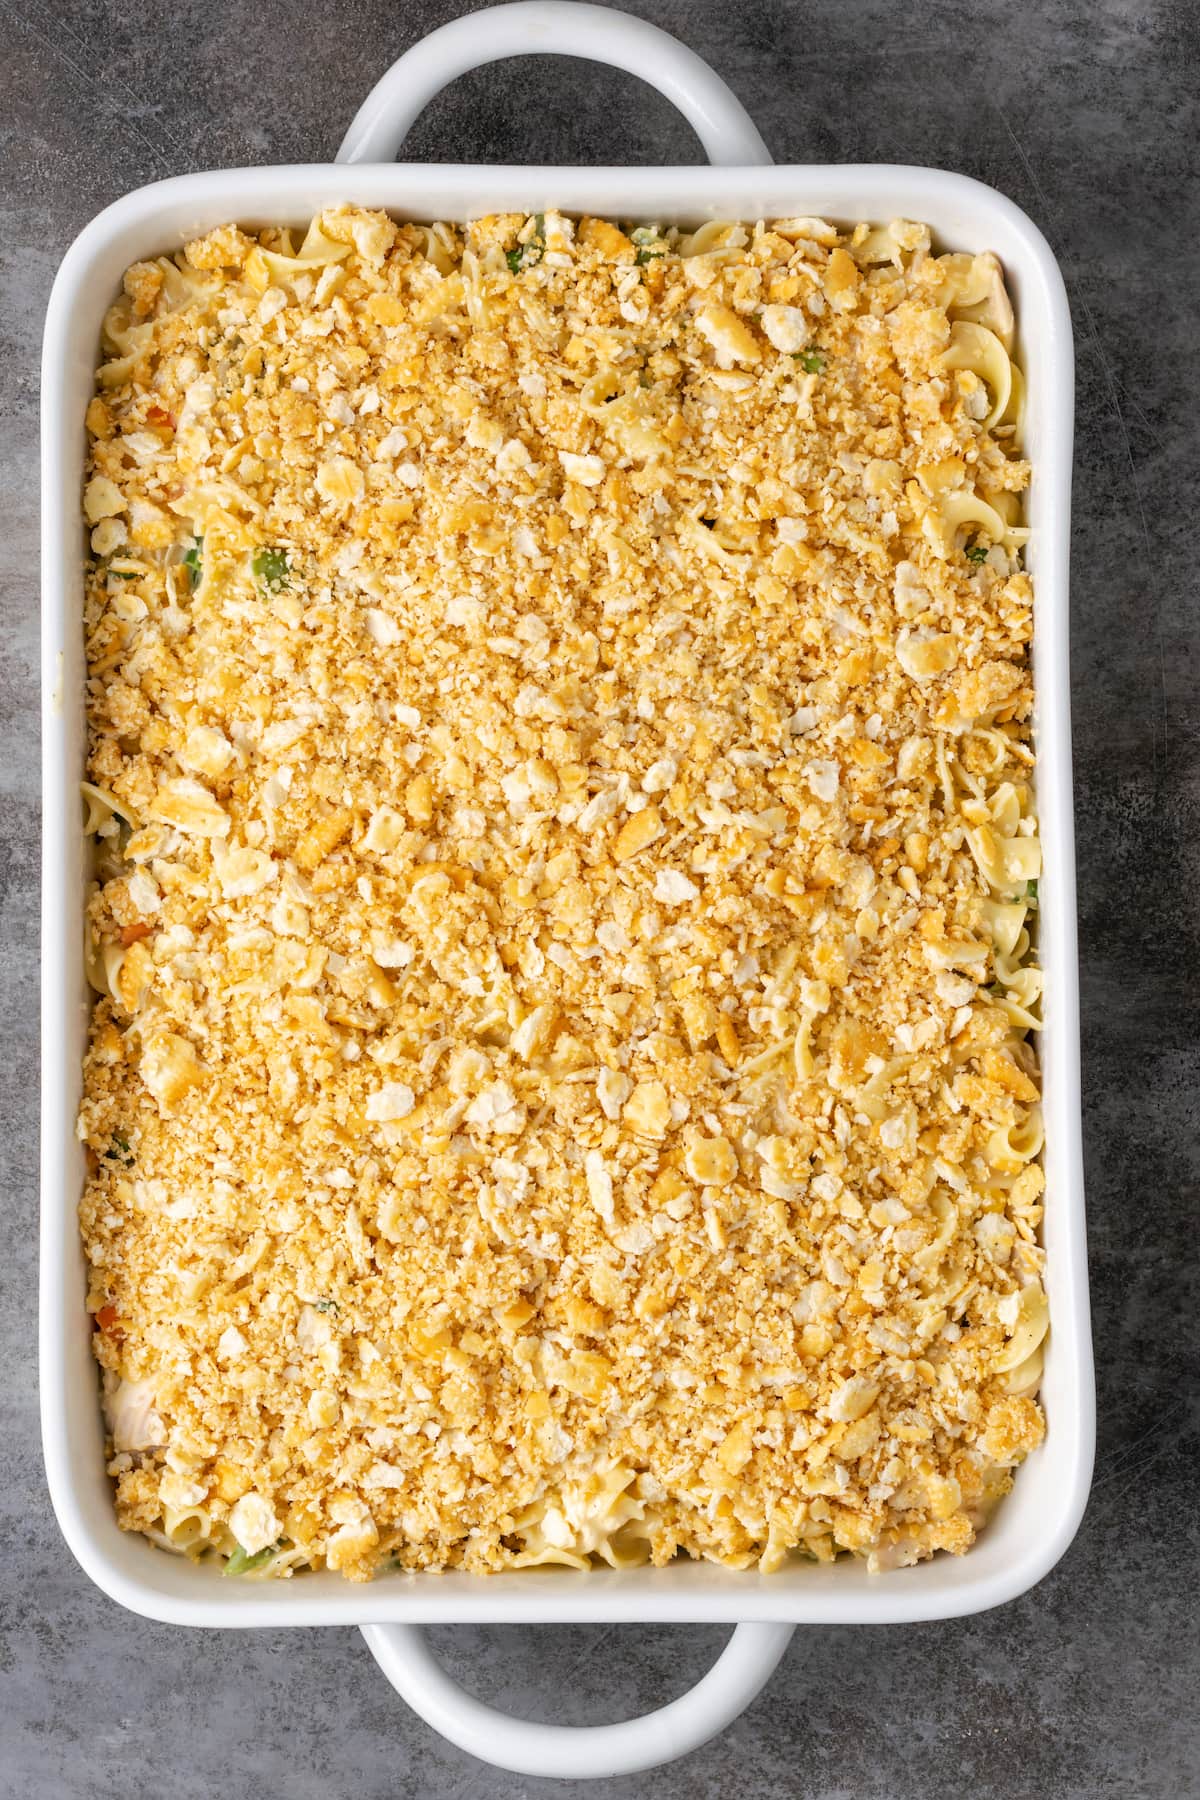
194,564
1031,890
241,1564
326,1306
647,254
119,1150
811,361
123,574
525,255
271,568
977,553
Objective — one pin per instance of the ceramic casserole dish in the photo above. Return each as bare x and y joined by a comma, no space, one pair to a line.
1034,1525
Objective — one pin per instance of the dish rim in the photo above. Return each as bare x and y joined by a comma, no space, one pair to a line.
159,217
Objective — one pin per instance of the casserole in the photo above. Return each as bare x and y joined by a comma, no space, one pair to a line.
1036,1523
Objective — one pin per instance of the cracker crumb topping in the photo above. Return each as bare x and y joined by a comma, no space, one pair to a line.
560,768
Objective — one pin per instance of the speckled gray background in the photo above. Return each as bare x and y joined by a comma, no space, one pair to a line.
1085,112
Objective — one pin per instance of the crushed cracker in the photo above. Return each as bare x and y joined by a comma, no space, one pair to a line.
559,699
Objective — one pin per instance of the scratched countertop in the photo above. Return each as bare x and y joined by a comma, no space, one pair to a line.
1085,112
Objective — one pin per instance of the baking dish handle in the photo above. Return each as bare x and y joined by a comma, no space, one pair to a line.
578,1752
561,28
600,34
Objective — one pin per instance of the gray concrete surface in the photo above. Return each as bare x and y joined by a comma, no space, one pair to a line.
1085,112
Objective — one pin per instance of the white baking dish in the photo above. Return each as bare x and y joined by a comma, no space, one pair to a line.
1035,1524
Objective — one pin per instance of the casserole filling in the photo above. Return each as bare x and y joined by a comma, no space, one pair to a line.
559,765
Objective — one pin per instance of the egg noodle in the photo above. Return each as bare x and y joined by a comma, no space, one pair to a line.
566,866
